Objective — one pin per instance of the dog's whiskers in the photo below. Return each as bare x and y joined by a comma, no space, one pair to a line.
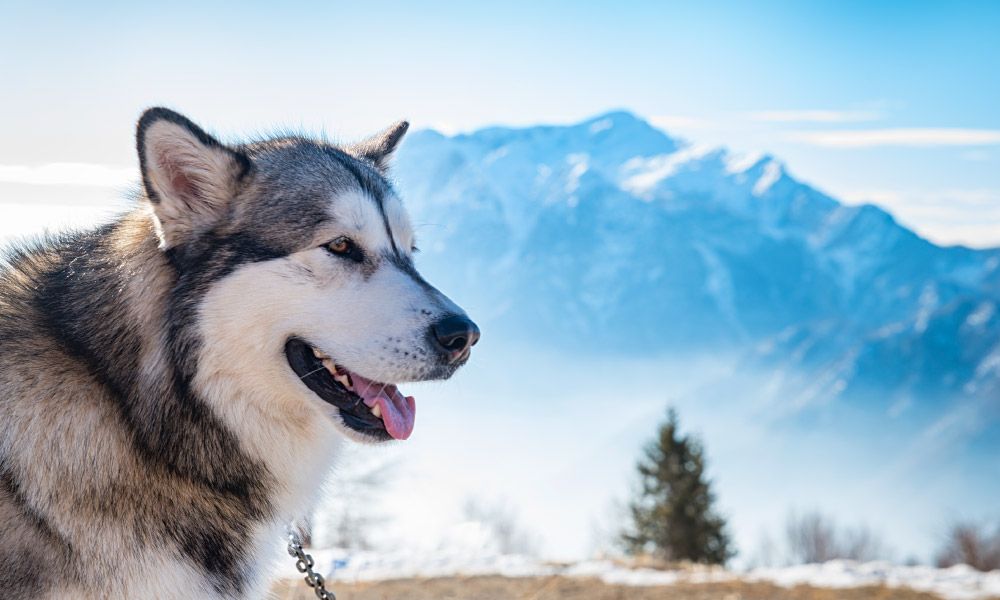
311,372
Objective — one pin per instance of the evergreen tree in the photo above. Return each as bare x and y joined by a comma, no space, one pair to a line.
673,516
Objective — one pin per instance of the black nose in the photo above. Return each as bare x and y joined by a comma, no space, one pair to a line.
455,334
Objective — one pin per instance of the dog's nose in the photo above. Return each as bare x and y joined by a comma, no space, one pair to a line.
455,334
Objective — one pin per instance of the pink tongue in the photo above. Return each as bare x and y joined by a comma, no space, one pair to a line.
398,412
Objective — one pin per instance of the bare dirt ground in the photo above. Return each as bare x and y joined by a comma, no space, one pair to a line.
563,588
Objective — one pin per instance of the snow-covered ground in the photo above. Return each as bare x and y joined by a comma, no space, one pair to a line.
955,583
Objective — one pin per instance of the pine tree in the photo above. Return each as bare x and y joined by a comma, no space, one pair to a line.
673,516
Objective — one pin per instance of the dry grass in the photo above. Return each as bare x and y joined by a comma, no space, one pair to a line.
563,588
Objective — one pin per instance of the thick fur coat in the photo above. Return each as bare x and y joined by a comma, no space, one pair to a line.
157,429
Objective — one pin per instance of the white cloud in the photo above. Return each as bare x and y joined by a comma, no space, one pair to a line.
446,127
81,174
946,216
915,137
670,122
815,116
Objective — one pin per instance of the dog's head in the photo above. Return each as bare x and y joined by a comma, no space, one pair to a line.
295,261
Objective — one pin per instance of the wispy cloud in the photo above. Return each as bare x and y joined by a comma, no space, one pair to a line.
947,216
958,198
670,122
915,137
81,174
815,116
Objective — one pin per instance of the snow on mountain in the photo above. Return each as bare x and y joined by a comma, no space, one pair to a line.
610,235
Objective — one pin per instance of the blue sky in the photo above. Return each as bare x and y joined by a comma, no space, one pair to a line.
893,102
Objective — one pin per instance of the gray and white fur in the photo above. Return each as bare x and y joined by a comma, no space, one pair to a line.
156,434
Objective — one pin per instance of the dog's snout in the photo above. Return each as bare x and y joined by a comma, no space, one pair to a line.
455,334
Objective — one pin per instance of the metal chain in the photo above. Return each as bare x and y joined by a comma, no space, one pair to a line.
304,563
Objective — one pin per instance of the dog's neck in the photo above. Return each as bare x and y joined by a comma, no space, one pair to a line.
136,350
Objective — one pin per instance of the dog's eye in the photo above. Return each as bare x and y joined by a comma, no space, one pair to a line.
346,248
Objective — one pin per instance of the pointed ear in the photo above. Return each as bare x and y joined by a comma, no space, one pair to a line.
379,148
189,176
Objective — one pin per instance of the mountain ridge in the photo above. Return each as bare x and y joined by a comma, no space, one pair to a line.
612,235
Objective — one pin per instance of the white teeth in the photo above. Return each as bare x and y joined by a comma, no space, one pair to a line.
377,411
341,376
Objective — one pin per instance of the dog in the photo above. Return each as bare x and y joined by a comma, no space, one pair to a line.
175,384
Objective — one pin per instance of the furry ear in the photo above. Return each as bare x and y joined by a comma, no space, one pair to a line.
380,147
189,176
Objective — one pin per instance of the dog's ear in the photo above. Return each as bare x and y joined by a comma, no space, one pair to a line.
380,147
189,176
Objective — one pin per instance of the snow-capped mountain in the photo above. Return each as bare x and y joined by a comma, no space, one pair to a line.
610,235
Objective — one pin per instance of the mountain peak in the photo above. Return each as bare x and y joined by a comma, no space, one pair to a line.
616,117
618,237
623,121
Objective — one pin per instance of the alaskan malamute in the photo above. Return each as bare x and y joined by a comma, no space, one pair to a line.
174,384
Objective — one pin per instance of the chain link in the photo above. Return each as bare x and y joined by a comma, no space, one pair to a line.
304,563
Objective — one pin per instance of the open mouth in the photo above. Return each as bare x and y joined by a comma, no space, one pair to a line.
376,409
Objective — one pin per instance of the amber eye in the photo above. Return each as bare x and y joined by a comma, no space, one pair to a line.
346,248
340,246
